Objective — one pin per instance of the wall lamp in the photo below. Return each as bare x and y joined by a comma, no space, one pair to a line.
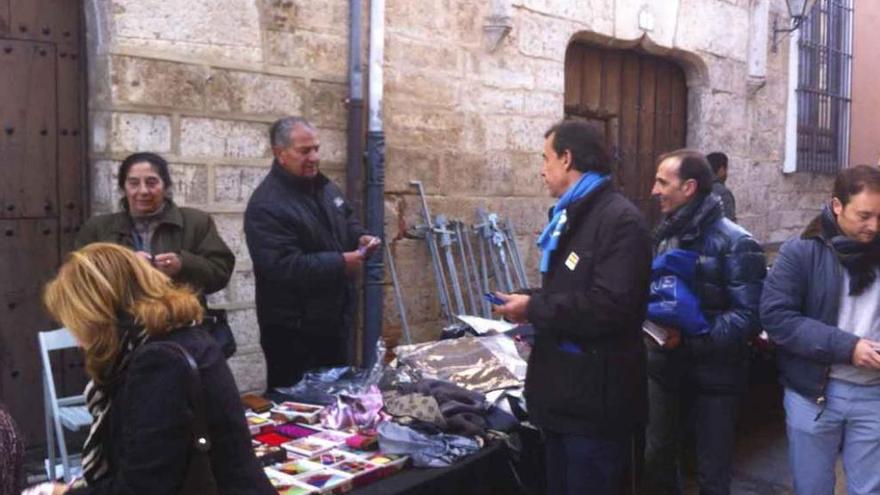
797,13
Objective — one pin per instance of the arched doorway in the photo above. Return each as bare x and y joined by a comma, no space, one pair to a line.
42,190
638,101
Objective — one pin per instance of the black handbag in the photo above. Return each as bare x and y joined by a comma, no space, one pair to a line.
216,323
199,476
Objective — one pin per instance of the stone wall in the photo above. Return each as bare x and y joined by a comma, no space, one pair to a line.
200,81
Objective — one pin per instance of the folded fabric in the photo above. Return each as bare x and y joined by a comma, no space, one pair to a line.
418,406
464,411
672,301
362,411
439,450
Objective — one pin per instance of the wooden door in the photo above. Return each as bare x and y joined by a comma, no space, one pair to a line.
42,190
639,101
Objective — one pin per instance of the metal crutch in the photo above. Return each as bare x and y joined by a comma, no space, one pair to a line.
442,291
442,229
397,295
466,268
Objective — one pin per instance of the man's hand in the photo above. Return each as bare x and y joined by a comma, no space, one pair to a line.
168,263
866,354
673,339
368,244
354,260
514,307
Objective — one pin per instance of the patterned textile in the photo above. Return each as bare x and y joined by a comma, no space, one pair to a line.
11,455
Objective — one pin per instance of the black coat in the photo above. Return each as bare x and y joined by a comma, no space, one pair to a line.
296,233
729,278
148,432
598,306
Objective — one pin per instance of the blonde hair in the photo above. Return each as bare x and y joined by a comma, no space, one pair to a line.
102,281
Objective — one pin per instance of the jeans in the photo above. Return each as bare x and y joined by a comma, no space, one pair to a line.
849,423
713,417
578,464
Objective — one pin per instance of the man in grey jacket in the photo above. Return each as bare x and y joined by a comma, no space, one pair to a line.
821,306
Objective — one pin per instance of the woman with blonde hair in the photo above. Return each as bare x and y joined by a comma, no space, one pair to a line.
167,416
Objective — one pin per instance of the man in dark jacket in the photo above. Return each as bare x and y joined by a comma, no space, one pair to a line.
701,373
585,384
718,161
821,306
307,248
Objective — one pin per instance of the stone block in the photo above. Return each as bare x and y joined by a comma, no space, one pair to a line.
334,147
190,183
543,37
245,328
313,52
466,175
409,88
250,92
406,54
516,133
227,30
526,173
131,132
699,23
543,104
403,165
249,370
428,128
458,20
234,184
496,101
503,71
230,226
219,297
549,76
202,137
150,82
242,286
326,104
105,191
294,15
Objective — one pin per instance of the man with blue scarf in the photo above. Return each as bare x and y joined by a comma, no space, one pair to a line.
585,385
699,373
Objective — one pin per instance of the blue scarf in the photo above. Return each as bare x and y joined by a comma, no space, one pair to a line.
549,239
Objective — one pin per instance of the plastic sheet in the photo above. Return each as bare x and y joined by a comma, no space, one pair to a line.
468,362
322,385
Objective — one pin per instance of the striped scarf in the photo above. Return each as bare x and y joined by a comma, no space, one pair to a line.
98,401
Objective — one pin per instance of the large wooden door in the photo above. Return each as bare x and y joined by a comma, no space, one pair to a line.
42,190
638,101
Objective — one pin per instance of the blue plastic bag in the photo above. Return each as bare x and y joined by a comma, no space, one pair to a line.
672,301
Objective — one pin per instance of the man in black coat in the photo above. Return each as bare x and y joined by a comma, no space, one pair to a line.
703,372
307,248
585,385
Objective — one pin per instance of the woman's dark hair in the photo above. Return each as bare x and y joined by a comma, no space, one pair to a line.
585,143
692,165
717,160
853,180
157,162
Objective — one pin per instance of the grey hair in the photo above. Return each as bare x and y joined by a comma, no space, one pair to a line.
279,133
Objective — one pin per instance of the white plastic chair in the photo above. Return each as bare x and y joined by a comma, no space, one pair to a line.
61,412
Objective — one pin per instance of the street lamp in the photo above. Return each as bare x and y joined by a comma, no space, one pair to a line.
797,12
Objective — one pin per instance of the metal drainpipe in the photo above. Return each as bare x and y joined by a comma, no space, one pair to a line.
354,167
374,274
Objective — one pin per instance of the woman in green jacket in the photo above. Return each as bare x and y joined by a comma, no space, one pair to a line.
181,242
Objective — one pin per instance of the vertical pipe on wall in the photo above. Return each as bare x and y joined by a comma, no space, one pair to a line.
374,273
355,102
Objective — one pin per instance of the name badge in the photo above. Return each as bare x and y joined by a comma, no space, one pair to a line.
572,261
338,202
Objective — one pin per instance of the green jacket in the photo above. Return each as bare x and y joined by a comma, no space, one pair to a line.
206,260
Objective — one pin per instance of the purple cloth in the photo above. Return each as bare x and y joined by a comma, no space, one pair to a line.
362,411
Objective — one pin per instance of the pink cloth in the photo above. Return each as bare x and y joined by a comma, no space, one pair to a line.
361,411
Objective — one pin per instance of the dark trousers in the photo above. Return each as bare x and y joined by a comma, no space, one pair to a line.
289,354
713,417
578,464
